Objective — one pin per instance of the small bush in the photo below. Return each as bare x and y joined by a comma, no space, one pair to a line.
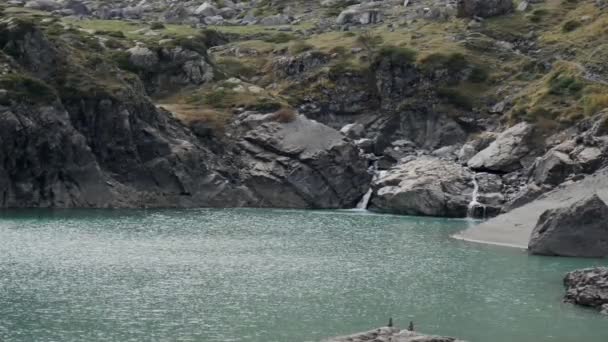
280,38
478,75
593,103
339,50
369,41
564,85
25,88
537,15
157,26
456,97
265,105
285,115
234,67
453,62
299,46
397,54
571,25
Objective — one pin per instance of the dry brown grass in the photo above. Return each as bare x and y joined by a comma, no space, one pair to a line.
285,115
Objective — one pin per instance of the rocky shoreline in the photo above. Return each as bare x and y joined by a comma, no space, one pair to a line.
392,334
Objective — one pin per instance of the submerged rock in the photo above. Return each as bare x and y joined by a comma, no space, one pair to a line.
580,230
588,287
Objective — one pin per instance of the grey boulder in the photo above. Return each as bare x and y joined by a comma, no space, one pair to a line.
580,230
484,8
426,186
506,152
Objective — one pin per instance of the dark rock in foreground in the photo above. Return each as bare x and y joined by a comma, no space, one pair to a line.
588,287
580,230
393,335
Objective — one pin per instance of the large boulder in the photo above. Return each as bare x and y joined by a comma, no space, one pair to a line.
392,334
294,162
426,186
588,287
484,8
206,10
506,152
580,230
363,14
553,168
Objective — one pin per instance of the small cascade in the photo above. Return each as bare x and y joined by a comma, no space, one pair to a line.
475,205
364,202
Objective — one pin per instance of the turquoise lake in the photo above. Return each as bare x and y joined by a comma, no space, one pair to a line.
271,275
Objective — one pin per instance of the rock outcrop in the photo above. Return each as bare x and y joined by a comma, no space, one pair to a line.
426,186
588,287
300,163
580,230
392,334
506,152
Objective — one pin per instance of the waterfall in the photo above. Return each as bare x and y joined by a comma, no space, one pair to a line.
475,201
364,202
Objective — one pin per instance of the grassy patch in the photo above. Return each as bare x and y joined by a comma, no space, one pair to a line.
24,88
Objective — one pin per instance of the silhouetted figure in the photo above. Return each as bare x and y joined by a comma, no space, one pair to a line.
411,327
390,322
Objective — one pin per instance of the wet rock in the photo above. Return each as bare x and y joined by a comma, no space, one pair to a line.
392,334
424,185
588,287
506,152
580,230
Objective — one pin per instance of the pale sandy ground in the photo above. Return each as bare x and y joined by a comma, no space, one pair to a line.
513,229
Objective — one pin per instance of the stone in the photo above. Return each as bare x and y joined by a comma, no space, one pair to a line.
391,334
353,131
363,14
275,20
506,152
523,6
473,146
580,230
206,10
588,287
424,185
143,58
553,168
43,5
484,8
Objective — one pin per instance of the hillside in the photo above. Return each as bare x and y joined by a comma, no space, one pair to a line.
440,108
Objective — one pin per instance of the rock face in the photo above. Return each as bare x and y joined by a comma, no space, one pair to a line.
588,287
75,142
391,334
577,231
300,164
484,8
506,152
425,186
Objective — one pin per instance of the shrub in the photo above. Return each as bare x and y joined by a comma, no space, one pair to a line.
265,105
396,54
285,115
537,15
453,62
456,97
279,38
564,85
593,103
478,75
369,41
25,88
299,46
571,25
115,34
157,26
234,67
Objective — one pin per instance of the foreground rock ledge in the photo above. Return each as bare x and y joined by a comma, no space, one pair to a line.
386,334
588,287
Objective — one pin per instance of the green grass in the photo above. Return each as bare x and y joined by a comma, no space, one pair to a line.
24,88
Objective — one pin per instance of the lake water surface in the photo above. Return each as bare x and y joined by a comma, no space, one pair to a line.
271,275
